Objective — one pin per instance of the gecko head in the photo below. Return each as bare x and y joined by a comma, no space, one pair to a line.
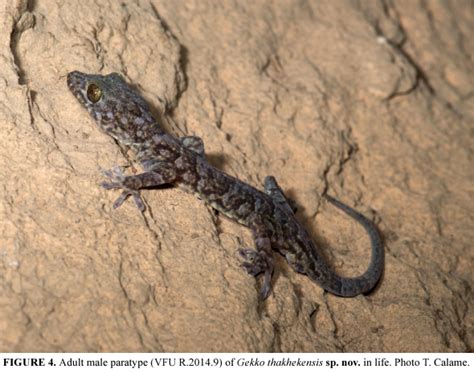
118,110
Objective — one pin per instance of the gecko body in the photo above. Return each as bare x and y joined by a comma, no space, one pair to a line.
123,114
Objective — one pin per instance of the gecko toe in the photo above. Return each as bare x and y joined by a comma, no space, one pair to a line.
267,284
119,201
109,186
127,193
138,201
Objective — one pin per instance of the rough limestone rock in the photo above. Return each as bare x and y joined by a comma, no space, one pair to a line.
370,101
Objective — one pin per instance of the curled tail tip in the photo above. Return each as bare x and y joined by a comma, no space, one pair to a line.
368,281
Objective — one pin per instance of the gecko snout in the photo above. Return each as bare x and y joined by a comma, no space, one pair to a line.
74,78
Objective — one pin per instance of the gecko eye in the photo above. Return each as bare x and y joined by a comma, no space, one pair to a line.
94,93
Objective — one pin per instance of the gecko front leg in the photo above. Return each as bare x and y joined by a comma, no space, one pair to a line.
133,183
259,260
272,188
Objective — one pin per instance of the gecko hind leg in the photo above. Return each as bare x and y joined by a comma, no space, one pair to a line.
132,184
272,188
260,260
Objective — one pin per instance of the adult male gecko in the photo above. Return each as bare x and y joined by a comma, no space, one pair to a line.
123,114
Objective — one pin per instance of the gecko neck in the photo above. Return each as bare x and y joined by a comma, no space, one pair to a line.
140,136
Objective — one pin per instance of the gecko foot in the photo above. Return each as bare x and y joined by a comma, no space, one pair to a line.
257,262
117,181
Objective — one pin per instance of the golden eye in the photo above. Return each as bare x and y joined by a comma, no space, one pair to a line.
94,93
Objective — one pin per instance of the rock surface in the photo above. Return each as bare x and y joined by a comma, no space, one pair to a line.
372,101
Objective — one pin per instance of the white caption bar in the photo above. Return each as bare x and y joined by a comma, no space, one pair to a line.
209,362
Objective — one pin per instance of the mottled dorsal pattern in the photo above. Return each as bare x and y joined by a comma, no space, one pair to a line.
123,114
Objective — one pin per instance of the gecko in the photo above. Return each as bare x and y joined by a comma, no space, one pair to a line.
121,112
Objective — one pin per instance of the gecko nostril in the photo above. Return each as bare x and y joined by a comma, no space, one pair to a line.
74,77
71,75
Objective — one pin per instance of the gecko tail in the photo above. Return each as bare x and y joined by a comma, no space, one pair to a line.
363,284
